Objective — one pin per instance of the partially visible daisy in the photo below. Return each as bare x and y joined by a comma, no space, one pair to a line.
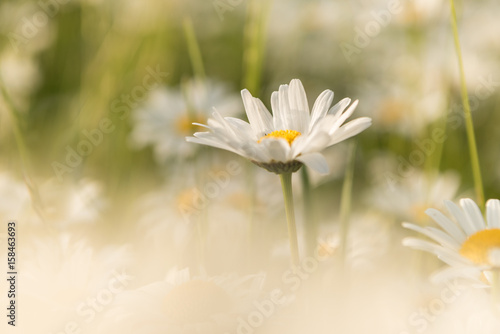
469,244
184,304
288,138
165,118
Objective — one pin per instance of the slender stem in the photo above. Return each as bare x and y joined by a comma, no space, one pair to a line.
251,184
311,226
194,49
286,185
346,199
476,170
23,153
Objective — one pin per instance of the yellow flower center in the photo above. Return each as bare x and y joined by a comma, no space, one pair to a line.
196,301
186,198
289,135
392,111
478,246
418,212
184,124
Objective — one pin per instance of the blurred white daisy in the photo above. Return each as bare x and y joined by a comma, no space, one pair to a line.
469,245
368,241
408,198
15,199
71,203
165,118
67,279
184,304
292,136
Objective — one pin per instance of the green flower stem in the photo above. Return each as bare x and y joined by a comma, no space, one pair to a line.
193,49
23,153
310,218
286,185
476,171
251,184
346,199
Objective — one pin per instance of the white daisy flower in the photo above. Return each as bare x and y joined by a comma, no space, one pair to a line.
468,244
166,116
184,304
292,136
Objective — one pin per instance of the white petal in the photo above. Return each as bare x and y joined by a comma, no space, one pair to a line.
446,224
313,143
493,213
255,151
350,129
449,273
299,107
265,115
473,213
314,161
225,125
426,246
446,255
243,129
433,233
278,121
297,96
460,217
320,107
277,148
259,117
284,108
212,142
340,106
345,115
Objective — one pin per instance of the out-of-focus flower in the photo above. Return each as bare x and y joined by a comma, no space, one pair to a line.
411,91
184,304
14,197
466,245
19,73
408,199
166,118
292,136
368,240
67,279
72,203
63,205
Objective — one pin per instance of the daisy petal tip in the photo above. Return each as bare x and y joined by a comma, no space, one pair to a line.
406,224
429,212
492,202
354,104
465,201
245,93
407,242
